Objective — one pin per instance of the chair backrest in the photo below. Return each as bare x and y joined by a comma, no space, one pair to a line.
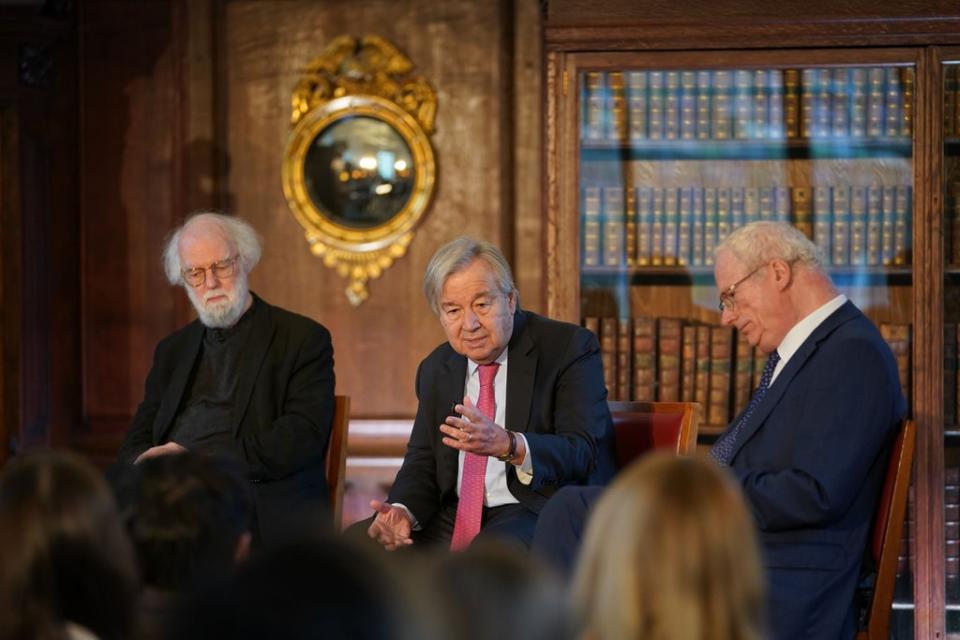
336,462
640,427
888,530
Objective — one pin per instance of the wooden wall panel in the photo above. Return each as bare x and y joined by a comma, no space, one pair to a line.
130,109
464,50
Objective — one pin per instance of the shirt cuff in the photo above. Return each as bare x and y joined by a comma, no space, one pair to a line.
415,524
525,468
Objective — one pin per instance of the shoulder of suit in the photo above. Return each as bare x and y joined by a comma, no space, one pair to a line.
550,329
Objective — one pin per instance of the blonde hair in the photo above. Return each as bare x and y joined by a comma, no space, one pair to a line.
670,554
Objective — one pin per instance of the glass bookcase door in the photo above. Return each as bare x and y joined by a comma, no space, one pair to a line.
672,159
951,251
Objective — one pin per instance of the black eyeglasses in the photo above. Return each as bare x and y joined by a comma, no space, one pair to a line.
221,270
726,298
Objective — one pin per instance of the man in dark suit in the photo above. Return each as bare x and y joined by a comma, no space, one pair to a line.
247,380
512,407
811,449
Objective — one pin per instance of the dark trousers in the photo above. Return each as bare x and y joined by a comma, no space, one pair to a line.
561,526
510,523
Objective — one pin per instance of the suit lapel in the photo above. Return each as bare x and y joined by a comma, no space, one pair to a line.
521,370
251,358
178,382
845,313
451,391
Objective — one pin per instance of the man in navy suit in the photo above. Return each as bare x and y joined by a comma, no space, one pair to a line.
548,423
811,452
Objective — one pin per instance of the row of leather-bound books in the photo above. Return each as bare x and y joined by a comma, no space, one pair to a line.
951,531
743,104
868,225
670,359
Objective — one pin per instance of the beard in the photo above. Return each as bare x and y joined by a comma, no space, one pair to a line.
222,314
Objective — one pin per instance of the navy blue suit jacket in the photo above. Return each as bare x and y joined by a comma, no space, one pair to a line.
555,397
811,461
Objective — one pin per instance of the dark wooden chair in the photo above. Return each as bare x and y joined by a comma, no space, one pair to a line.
887,532
640,427
336,462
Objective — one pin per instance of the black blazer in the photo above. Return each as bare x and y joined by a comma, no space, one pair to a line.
555,396
282,416
811,461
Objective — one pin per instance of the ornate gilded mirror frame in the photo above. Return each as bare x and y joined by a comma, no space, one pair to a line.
359,169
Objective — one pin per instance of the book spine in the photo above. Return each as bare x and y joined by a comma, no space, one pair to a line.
858,225
702,382
823,107
718,406
751,204
874,224
902,241
655,106
889,204
724,215
704,104
777,103
656,227
766,203
608,355
594,105
743,378
644,359
876,100
761,104
637,104
802,210
894,102
668,358
858,102
688,105
738,213
841,225
617,122
808,98
685,224
624,353
743,90
688,364
722,121
906,82
644,223
709,224
840,102
822,221
697,227
630,224
671,225
613,241
671,112
591,226
791,103
781,204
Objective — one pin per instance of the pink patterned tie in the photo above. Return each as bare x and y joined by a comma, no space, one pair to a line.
470,507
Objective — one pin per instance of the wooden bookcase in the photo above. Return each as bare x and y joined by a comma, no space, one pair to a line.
663,134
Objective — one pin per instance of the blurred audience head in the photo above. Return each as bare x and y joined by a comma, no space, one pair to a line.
189,519
313,588
670,554
492,591
65,560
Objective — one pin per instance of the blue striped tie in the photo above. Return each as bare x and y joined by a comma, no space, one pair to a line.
723,449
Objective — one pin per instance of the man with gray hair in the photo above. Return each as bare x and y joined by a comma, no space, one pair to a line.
811,448
246,380
512,407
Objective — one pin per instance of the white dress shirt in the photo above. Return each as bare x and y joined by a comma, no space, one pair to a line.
802,330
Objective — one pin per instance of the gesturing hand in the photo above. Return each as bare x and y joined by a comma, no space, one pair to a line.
474,432
391,527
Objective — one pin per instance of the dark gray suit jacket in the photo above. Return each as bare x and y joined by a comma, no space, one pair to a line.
555,397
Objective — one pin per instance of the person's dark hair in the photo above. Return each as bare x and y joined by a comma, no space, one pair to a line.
187,514
502,591
64,556
312,588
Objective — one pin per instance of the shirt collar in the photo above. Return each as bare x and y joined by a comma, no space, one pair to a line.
802,330
501,360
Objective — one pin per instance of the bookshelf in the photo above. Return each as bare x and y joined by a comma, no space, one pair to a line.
663,135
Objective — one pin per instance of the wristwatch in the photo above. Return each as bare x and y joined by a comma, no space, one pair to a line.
509,455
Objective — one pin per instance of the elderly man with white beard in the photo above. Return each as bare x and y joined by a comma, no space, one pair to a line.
246,380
